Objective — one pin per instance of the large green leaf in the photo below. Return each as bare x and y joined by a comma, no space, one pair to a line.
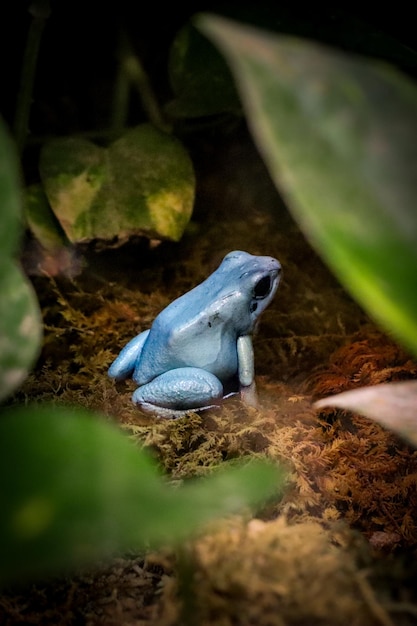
9,196
339,135
20,323
20,328
74,489
142,184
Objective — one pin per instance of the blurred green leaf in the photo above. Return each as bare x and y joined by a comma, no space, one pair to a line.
393,405
10,222
339,135
74,489
200,78
20,328
20,320
143,184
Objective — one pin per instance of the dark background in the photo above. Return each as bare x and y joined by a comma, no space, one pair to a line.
78,55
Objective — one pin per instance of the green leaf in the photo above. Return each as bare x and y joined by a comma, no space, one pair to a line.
41,219
74,489
10,222
200,78
393,405
20,321
20,328
143,184
338,134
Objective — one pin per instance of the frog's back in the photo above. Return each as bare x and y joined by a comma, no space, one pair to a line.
193,331
200,328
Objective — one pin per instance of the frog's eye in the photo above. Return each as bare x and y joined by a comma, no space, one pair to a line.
262,288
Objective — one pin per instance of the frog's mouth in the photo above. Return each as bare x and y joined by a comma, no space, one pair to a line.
276,278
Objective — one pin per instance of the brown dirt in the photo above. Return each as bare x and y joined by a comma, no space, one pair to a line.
339,548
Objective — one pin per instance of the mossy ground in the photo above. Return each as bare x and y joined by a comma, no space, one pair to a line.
339,548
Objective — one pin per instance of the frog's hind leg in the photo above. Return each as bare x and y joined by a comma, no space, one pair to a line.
179,391
124,365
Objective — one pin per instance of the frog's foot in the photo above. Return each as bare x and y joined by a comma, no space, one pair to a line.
180,391
124,365
248,395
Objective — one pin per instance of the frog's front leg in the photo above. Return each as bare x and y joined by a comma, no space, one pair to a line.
180,391
246,370
125,364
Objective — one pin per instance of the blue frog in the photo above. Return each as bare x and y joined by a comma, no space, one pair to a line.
202,342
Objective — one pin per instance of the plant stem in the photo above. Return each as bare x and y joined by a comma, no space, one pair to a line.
133,69
40,10
120,100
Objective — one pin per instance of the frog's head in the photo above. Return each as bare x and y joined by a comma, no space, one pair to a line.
255,279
